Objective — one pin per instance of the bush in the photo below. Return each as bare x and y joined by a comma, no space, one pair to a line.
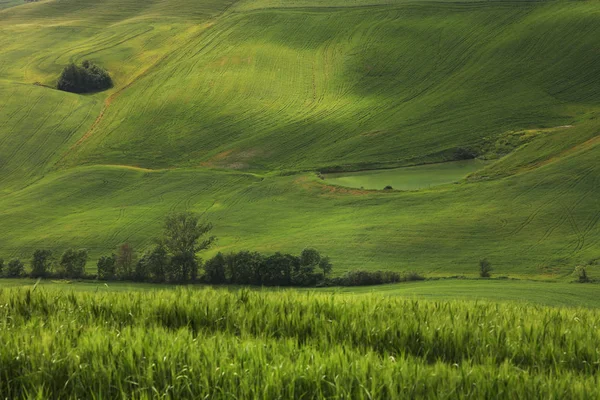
582,275
84,79
1,266
462,153
367,278
40,265
15,268
252,268
485,268
388,187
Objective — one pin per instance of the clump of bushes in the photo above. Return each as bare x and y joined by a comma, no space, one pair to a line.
252,268
84,78
463,153
367,278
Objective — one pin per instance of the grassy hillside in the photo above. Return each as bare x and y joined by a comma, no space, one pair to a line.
224,108
311,88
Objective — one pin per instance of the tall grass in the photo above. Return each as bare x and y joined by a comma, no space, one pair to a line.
222,344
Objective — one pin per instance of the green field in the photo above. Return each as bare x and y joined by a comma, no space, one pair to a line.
247,344
544,293
281,121
228,109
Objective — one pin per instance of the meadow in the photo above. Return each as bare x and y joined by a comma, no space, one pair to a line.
230,109
252,344
235,110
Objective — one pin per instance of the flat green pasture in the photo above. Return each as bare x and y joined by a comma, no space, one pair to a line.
406,178
544,293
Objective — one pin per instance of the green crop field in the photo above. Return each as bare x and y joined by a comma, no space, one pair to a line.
280,122
245,344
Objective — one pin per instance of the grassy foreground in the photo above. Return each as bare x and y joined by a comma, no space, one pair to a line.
246,344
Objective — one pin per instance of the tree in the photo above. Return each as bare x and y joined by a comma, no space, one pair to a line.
182,238
279,268
485,268
1,265
107,267
182,233
214,270
157,263
325,265
40,265
140,273
73,262
306,274
15,268
125,261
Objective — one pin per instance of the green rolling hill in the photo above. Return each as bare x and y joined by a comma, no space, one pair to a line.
229,109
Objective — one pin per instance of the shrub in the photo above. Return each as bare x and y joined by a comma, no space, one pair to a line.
15,268
485,268
85,78
462,153
40,265
388,187
1,265
582,275
367,278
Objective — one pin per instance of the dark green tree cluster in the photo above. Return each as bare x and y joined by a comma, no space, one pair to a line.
367,278
84,78
252,268
172,259
70,265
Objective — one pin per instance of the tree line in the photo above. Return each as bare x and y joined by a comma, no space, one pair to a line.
173,259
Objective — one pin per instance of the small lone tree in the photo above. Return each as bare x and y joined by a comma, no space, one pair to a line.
40,265
15,268
485,268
